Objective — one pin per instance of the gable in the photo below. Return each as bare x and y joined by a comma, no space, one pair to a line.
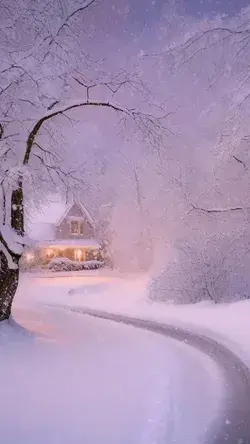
44,224
76,211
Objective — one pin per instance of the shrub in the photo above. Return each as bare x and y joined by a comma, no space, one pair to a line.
65,264
214,268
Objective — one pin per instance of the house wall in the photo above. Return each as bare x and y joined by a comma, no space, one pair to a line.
63,230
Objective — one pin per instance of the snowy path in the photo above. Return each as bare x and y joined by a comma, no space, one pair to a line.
138,387
86,380
233,422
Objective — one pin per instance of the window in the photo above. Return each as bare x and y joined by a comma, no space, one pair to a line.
76,227
81,228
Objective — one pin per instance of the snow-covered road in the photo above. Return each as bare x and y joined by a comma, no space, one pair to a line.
95,381
232,424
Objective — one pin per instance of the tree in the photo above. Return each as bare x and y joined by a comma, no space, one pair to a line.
213,268
211,59
47,75
218,49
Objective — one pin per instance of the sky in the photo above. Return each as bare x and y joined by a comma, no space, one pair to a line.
141,12
147,8
194,7
127,20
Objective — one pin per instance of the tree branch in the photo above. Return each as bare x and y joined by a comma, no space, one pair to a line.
147,123
219,210
70,16
241,162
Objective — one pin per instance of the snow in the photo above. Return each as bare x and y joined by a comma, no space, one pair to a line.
51,213
42,231
55,211
108,291
95,381
83,380
13,240
64,243
11,263
65,264
76,218
43,223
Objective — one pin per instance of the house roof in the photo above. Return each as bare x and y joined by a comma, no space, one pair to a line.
42,226
50,213
41,231
84,210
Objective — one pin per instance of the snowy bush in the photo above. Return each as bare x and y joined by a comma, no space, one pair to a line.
215,269
65,264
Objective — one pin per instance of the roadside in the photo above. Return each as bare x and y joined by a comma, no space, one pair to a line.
227,323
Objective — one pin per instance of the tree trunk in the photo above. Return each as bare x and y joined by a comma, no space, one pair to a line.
8,285
17,213
9,277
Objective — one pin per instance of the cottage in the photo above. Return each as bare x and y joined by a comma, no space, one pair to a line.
63,231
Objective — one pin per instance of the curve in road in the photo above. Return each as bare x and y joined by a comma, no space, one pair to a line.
233,426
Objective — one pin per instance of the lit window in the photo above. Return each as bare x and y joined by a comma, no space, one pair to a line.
49,252
78,255
76,227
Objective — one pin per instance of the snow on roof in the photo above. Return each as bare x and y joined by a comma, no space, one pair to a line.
65,243
43,223
51,213
41,231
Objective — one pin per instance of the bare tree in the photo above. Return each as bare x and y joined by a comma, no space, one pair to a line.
227,38
213,268
46,77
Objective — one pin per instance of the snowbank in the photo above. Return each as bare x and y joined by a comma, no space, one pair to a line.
227,323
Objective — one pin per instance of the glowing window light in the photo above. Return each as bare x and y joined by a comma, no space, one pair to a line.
78,254
29,257
49,252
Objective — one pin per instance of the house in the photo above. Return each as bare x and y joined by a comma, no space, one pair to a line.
63,231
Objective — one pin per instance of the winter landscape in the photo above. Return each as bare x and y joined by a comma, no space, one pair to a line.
124,222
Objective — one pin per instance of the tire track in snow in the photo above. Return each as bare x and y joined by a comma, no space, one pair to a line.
233,425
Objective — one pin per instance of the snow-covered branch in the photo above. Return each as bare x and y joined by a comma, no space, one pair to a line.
11,264
69,16
14,242
208,34
152,128
220,210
